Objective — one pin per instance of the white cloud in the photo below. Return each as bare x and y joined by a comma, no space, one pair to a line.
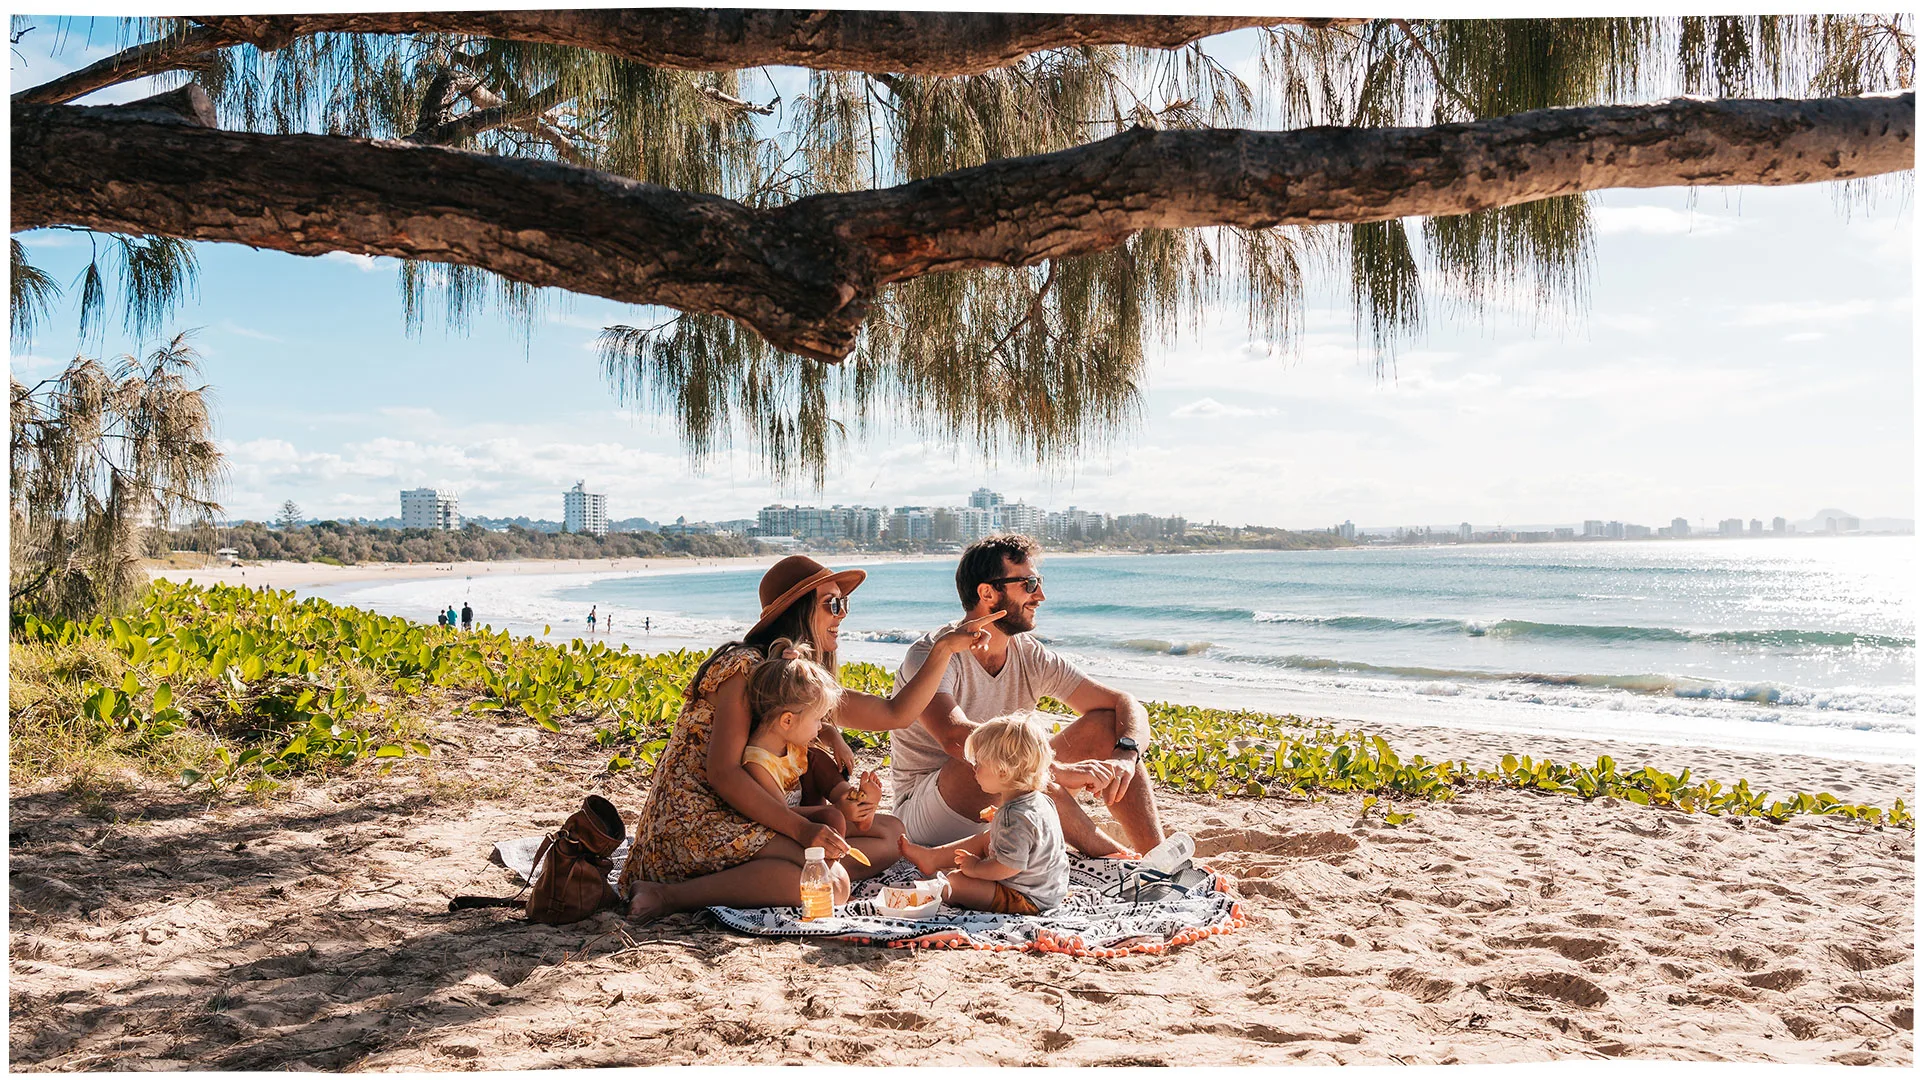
231,327
1803,336
36,367
368,264
1804,311
1659,221
1626,323
1207,409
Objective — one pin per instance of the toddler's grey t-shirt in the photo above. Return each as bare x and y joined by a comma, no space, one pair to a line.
1026,833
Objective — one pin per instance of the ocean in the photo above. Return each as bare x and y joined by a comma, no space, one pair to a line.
1796,644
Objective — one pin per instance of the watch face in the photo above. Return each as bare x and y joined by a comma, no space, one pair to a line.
1127,744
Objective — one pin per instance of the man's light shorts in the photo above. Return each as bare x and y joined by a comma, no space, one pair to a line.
928,818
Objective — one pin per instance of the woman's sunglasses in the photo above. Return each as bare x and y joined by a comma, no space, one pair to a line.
835,605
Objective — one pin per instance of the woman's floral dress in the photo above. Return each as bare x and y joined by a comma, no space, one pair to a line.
686,829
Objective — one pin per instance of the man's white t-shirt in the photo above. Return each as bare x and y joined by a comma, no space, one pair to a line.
1032,671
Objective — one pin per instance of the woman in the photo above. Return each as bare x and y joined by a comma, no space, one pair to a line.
708,833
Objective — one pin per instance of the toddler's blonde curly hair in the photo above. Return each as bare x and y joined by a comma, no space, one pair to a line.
1017,744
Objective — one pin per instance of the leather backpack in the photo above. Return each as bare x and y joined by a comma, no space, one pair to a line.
570,869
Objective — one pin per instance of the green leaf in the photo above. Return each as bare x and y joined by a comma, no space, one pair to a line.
130,685
420,748
162,697
391,750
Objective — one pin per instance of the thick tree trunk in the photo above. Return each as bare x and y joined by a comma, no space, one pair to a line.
801,275
699,39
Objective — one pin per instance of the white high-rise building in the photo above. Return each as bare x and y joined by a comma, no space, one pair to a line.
586,511
429,508
1021,518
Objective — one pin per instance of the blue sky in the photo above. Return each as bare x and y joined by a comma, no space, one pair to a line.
1745,352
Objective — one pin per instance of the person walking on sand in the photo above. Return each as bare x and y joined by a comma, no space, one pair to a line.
593,616
708,832
936,793
466,616
453,617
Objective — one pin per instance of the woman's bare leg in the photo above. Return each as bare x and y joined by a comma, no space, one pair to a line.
880,843
773,880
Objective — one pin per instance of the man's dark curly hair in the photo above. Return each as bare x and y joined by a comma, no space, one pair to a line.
982,562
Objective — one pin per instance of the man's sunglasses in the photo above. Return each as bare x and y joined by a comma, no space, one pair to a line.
835,605
1031,581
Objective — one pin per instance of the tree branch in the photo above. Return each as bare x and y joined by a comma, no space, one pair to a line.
176,53
721,97
503,114
802,274
697,39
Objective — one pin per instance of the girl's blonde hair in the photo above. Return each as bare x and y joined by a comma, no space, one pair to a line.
788,681
1017,744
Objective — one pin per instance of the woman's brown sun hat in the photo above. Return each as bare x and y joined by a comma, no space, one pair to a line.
793,577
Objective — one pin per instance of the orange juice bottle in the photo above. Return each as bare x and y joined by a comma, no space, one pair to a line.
816,892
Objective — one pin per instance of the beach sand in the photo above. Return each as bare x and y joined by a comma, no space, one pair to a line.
304,576
311,932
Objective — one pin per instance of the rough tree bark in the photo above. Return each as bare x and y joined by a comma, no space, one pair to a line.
801,275
696,39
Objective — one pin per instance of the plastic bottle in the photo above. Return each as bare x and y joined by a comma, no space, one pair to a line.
1173,854
816,891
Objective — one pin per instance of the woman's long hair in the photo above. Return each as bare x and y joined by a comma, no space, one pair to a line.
794,624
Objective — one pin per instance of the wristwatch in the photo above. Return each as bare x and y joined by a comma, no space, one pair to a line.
1124,743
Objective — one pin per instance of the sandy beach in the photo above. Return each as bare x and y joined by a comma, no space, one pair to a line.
311,932
302,576
154,929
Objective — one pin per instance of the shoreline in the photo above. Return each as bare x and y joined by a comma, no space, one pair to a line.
1432,729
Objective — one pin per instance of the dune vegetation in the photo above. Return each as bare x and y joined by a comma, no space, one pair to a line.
231,689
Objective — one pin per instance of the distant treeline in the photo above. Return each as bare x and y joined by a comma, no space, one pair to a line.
1254,536
333,541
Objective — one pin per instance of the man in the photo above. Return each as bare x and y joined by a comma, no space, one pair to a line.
466,616
934,789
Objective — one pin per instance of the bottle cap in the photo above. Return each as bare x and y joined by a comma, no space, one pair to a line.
816,853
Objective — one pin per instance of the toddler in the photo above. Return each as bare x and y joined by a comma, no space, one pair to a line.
789,697
1018,866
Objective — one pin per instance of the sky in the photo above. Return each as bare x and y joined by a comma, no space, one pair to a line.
1744,352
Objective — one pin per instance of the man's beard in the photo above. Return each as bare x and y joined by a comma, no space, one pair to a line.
1015,621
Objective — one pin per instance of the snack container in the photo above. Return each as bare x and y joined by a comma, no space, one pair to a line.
900,903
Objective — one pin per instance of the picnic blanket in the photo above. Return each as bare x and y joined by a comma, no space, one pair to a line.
1111,909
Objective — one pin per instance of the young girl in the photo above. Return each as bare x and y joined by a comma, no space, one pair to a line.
789,697
1018,866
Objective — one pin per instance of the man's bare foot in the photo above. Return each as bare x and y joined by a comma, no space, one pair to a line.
924,859
649,902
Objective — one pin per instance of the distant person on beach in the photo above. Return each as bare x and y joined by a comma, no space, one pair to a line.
466,616
649,624
935,790
593,615
708,833
453,617
440,617
606,624
1017,865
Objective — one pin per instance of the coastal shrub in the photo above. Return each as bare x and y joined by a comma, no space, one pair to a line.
236,685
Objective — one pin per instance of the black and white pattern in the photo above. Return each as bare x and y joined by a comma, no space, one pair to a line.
1107,906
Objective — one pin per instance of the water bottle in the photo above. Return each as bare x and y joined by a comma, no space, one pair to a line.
816,891
1173,854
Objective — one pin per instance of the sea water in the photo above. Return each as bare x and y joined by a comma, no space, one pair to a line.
1785,644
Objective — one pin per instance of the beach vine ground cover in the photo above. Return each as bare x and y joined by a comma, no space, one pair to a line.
228,687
